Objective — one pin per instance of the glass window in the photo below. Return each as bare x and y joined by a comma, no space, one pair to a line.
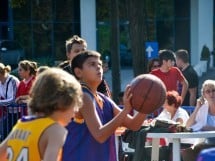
46,27
165,35
21,29
23,13
67,10
61,33
164,9
42,10
42,40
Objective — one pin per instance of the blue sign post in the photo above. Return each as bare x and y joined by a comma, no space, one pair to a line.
151,50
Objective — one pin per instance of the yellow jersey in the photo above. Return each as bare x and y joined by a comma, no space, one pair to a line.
23,143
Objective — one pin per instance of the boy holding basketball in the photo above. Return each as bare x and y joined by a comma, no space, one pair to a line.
170,75
41,135
93,139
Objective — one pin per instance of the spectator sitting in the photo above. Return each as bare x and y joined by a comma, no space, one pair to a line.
202,119
172,110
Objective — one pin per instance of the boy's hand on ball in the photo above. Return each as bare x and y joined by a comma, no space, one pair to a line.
127,98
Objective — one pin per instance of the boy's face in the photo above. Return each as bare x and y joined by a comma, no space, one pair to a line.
178,62
76,49
169,63
92,72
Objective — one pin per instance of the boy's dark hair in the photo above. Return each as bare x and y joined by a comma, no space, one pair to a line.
74,40
183,55
79,59
166,55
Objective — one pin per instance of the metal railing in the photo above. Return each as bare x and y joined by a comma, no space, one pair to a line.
9,116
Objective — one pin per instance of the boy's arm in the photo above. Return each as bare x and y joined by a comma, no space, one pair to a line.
51,143
184,89
135,122
192,119
3,150
100,132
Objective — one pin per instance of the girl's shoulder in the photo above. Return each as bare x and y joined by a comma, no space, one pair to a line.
13,78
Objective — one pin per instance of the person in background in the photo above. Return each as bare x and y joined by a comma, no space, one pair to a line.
153,64
169,74
27,72
121,104
172,110
91,133
8,88
120,99
41,135
74,46
41,69
103,86
182,62
202,119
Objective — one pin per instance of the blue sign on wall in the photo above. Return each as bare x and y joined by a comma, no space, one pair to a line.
151,50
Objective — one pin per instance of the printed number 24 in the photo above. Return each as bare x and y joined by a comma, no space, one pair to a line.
22,156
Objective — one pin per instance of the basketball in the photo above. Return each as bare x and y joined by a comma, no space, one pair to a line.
148,93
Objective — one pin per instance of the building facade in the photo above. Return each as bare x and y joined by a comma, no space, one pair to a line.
42,27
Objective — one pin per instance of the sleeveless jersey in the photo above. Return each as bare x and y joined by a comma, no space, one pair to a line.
80,145
23,145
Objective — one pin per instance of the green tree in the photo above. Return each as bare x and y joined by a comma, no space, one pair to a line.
137,30
115,48
17,3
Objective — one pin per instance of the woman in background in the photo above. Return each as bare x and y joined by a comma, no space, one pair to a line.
172,110
153,64
8,89
202,119
27,72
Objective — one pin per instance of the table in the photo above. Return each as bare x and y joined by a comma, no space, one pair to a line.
176,141
118,133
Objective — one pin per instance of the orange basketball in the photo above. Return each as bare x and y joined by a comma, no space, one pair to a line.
148,93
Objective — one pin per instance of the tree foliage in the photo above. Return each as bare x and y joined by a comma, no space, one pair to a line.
17,3
137,34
